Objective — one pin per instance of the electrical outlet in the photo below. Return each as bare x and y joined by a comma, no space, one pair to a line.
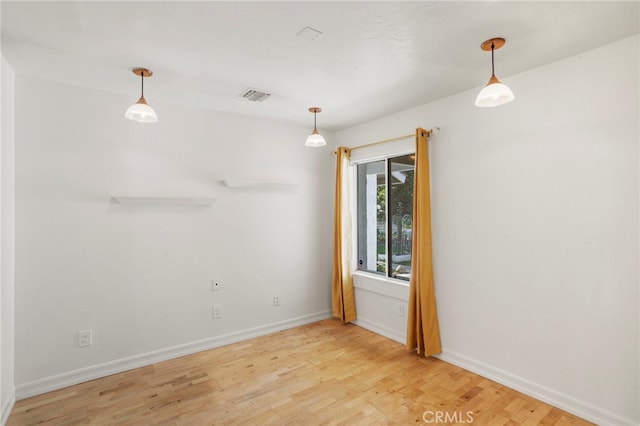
217,311
85,338
276,301
216,285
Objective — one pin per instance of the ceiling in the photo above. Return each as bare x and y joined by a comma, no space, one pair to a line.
369,59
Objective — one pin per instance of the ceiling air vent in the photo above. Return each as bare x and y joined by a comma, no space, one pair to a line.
255,95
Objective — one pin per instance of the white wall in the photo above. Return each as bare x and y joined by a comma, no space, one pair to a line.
535,232
140,277
7,258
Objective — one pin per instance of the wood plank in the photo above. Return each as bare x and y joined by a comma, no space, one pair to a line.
324,373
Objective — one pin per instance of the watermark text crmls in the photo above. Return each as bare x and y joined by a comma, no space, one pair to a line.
437,416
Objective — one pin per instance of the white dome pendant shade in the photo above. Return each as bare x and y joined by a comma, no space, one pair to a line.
494,93
315,139
141,111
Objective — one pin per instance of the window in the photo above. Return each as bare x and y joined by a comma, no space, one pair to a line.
385,216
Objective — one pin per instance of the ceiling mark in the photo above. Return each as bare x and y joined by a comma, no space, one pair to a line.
309,33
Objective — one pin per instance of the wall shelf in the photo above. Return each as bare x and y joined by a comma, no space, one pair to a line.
259,185
162,201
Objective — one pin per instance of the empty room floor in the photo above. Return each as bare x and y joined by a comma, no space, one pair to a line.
324,373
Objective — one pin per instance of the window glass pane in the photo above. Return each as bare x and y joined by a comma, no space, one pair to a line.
372,223
400,212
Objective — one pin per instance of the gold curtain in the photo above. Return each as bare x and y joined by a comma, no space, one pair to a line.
342,301
423,333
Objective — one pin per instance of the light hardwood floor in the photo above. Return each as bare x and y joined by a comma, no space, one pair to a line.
324,373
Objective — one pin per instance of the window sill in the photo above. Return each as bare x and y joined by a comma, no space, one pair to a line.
385,286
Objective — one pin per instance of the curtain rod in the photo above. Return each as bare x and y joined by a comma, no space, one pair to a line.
430,132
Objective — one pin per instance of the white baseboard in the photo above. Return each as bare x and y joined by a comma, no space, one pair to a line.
380,329
7,406
59,381
557,399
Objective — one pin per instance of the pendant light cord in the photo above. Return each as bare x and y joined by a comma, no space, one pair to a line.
142,77
492,70
314,121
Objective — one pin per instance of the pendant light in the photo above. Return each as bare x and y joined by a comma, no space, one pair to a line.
140,111
494,93
315,139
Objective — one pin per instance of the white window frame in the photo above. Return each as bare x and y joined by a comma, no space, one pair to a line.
363,155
